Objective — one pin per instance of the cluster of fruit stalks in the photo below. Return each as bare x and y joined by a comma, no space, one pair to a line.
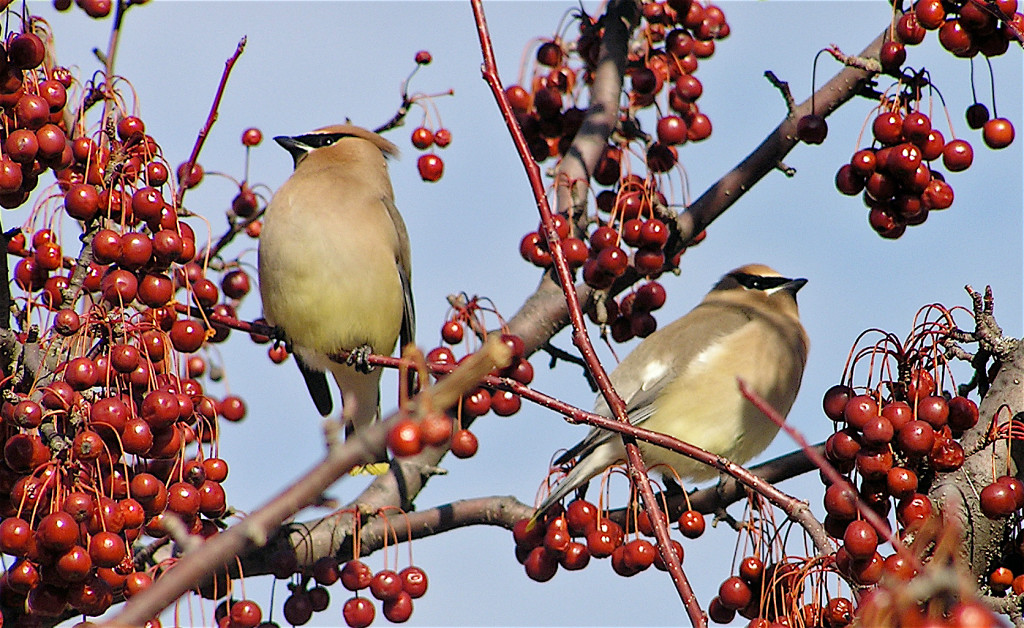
896,174
898,431
395,589
111,433
672,38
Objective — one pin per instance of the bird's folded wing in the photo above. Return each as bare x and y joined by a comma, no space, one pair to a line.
408,331
641,377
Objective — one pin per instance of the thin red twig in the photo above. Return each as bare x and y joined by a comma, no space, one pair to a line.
210,119
637,469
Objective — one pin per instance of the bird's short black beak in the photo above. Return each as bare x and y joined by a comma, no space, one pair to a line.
793,285
294,147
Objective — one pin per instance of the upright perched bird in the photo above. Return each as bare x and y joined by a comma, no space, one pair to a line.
681,380
334,264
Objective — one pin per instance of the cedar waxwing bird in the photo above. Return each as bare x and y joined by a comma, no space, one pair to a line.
681,380
334,264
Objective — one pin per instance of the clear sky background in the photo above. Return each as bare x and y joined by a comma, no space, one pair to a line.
309,64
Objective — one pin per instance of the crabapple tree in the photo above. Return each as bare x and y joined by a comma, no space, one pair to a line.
125,300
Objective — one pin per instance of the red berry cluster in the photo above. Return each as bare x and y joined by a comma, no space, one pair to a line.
483,400
115,437
898,437
772,594
896,443
93,8
34,135
965,29
95,455
676,34
408,436
603,258
430,166
395,591
543,546
899,183
71,527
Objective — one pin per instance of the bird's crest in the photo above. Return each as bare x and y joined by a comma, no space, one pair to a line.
384,145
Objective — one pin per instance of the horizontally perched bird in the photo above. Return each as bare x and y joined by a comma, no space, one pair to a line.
334,264
681,380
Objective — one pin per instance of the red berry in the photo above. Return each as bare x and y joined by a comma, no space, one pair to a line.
835,400
812,129
386,585
464,444
892,57
603,538
957,155
934,410
860,540
298,609
356,575
422,138
252,137
859,410
997,133
452,332
430,167
541,564
358,612
997,500
691,524
963,413
442,137
734,593
549,54
404,438
888,128
414,581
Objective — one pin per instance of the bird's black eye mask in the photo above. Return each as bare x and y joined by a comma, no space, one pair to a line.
319,140
757,282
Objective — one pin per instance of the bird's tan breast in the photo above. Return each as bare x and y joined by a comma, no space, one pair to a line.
328,271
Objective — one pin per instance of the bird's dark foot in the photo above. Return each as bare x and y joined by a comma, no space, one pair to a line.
275,334
359,359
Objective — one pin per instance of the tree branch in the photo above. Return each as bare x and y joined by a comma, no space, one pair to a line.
256,529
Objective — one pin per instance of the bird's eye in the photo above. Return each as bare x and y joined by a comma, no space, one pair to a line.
758,282
319,140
